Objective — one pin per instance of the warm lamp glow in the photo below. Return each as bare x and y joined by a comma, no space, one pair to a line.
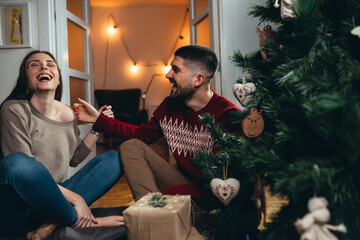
111,30
167,68
134,69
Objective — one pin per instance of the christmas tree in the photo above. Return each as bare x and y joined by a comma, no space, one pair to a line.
307,81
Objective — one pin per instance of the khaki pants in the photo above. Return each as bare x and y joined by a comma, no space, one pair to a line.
146,171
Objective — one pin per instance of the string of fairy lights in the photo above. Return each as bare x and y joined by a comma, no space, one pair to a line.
135,67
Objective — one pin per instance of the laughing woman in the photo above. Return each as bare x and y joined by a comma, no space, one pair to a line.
39,140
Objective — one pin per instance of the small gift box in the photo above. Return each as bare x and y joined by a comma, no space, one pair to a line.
166,217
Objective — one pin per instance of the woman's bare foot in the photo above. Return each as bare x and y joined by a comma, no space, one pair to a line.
109,221
46,229
42,232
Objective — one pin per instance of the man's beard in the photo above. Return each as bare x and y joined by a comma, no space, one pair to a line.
182,94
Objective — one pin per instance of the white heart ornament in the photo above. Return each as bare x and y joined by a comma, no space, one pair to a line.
226,190
242,92
356,31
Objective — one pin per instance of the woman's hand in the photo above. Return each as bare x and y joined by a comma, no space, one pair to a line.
85,217
85,112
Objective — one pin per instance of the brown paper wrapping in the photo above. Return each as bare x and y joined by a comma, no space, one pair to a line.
194,235
144,222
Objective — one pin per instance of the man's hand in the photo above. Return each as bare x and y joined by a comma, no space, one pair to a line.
107,111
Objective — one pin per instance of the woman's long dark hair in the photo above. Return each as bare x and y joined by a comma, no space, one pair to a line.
22,90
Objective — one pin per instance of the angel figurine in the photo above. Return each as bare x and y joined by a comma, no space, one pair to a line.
313,225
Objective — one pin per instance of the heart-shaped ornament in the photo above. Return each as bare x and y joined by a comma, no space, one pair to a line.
226,190
242,92
356,31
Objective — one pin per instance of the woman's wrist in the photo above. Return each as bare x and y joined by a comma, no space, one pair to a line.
96,116
92,131
76,199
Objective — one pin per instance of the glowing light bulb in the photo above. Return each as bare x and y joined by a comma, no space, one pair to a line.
167,68
134,68
111,30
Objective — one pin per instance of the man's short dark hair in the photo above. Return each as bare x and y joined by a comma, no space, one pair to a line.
203,56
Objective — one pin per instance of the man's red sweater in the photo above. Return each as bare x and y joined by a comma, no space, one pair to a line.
183,131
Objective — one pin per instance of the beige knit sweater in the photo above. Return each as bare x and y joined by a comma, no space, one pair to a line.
55,144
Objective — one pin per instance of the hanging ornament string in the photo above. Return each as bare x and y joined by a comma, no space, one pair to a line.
356,30
225,169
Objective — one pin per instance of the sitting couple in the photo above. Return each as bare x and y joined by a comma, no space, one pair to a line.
40,139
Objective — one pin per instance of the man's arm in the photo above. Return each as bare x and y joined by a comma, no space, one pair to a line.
103,123
148,133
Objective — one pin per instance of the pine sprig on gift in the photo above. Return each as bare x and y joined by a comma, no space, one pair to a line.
157,200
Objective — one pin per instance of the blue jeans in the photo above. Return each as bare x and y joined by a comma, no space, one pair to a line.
29,196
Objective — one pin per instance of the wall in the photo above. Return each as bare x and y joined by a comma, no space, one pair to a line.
43,37
150,33
236,33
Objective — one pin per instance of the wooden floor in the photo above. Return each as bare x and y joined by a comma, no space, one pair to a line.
119,195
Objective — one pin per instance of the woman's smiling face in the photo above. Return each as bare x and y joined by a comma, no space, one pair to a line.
42,73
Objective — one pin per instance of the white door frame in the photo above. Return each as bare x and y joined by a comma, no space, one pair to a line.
62,48
62,15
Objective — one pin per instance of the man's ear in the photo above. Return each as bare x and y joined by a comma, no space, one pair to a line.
200,79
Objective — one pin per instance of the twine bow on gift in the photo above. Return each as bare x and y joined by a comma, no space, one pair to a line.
157,201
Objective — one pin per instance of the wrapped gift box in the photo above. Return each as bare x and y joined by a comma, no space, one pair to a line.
145,222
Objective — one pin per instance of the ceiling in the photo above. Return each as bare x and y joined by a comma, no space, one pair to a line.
118,3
